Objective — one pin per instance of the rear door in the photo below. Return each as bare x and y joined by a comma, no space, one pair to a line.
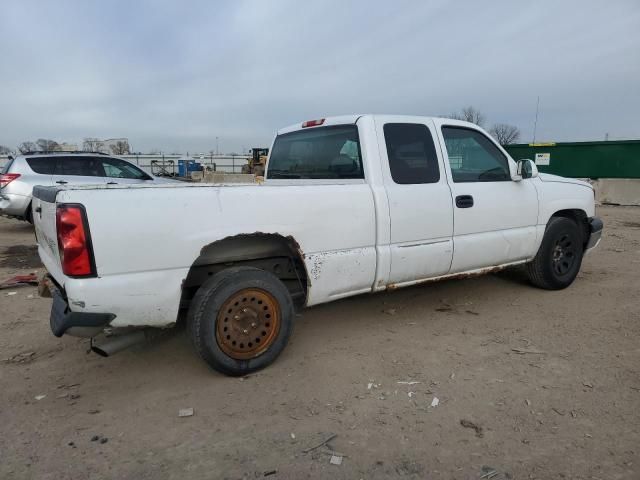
421,212
78,170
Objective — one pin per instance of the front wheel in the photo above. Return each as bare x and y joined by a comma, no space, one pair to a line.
240,320
558,260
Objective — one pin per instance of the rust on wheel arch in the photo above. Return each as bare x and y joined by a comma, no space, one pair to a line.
248,323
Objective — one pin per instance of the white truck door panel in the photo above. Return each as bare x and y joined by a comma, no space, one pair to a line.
420,206
494,217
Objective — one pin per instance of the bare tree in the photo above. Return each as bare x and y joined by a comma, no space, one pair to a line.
121,147
154,151
26,147
4,150
92,144
469,114
505,134
46,145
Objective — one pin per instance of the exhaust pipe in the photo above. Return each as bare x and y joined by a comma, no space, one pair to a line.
117,343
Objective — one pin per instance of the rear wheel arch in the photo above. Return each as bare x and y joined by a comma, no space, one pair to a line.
273,253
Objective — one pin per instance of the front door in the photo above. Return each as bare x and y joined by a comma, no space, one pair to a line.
495,217
420,206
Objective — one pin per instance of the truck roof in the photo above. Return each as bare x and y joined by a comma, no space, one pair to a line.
352,119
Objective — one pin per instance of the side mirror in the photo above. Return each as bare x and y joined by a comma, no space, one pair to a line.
527,169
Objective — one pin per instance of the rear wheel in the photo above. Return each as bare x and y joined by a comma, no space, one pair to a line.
28,216
240,320
559,258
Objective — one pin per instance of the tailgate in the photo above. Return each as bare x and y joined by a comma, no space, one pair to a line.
44,221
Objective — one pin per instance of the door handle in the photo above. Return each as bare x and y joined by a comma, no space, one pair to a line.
62,182
464,201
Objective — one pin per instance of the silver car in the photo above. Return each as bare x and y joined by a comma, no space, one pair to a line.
20,175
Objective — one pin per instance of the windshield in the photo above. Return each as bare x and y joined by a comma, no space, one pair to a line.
319,153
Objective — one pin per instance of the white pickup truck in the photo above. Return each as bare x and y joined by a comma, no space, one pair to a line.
350,205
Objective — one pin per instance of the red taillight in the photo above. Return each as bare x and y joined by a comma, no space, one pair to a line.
74,241
7,178
312,123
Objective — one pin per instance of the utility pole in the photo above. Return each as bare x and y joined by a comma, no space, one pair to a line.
217,151
535,123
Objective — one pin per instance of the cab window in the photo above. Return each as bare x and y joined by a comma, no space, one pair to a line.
473,157
412,153
116,168
79,166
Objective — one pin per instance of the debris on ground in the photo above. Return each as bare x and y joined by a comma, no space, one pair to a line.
489,472
185,412
444,309
268,473
315,447
469,424
390,311
335,460
40,397
408,383
524,351
19,281
435,402
23,357
471,312
95,438
70,385
10,294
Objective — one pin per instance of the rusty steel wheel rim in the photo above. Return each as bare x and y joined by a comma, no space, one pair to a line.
248,323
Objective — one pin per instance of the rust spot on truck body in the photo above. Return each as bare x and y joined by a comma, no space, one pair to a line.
453,276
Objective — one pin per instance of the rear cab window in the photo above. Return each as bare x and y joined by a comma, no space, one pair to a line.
321,153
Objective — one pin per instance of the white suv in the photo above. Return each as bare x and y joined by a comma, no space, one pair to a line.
20,175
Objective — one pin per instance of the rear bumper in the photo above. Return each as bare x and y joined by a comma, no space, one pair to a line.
14,204
82,324
595,233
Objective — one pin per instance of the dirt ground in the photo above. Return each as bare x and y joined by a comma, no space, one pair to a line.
549,380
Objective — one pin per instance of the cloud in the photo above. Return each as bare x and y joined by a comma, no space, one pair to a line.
176,75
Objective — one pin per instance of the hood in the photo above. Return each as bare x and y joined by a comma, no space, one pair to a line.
547,177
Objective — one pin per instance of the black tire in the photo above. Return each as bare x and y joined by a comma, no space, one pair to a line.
29,215
559,258
205,319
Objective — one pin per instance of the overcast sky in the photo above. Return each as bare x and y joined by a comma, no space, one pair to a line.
175,75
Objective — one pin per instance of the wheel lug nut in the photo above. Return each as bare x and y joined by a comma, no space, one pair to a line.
245,331
254,325
237,317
